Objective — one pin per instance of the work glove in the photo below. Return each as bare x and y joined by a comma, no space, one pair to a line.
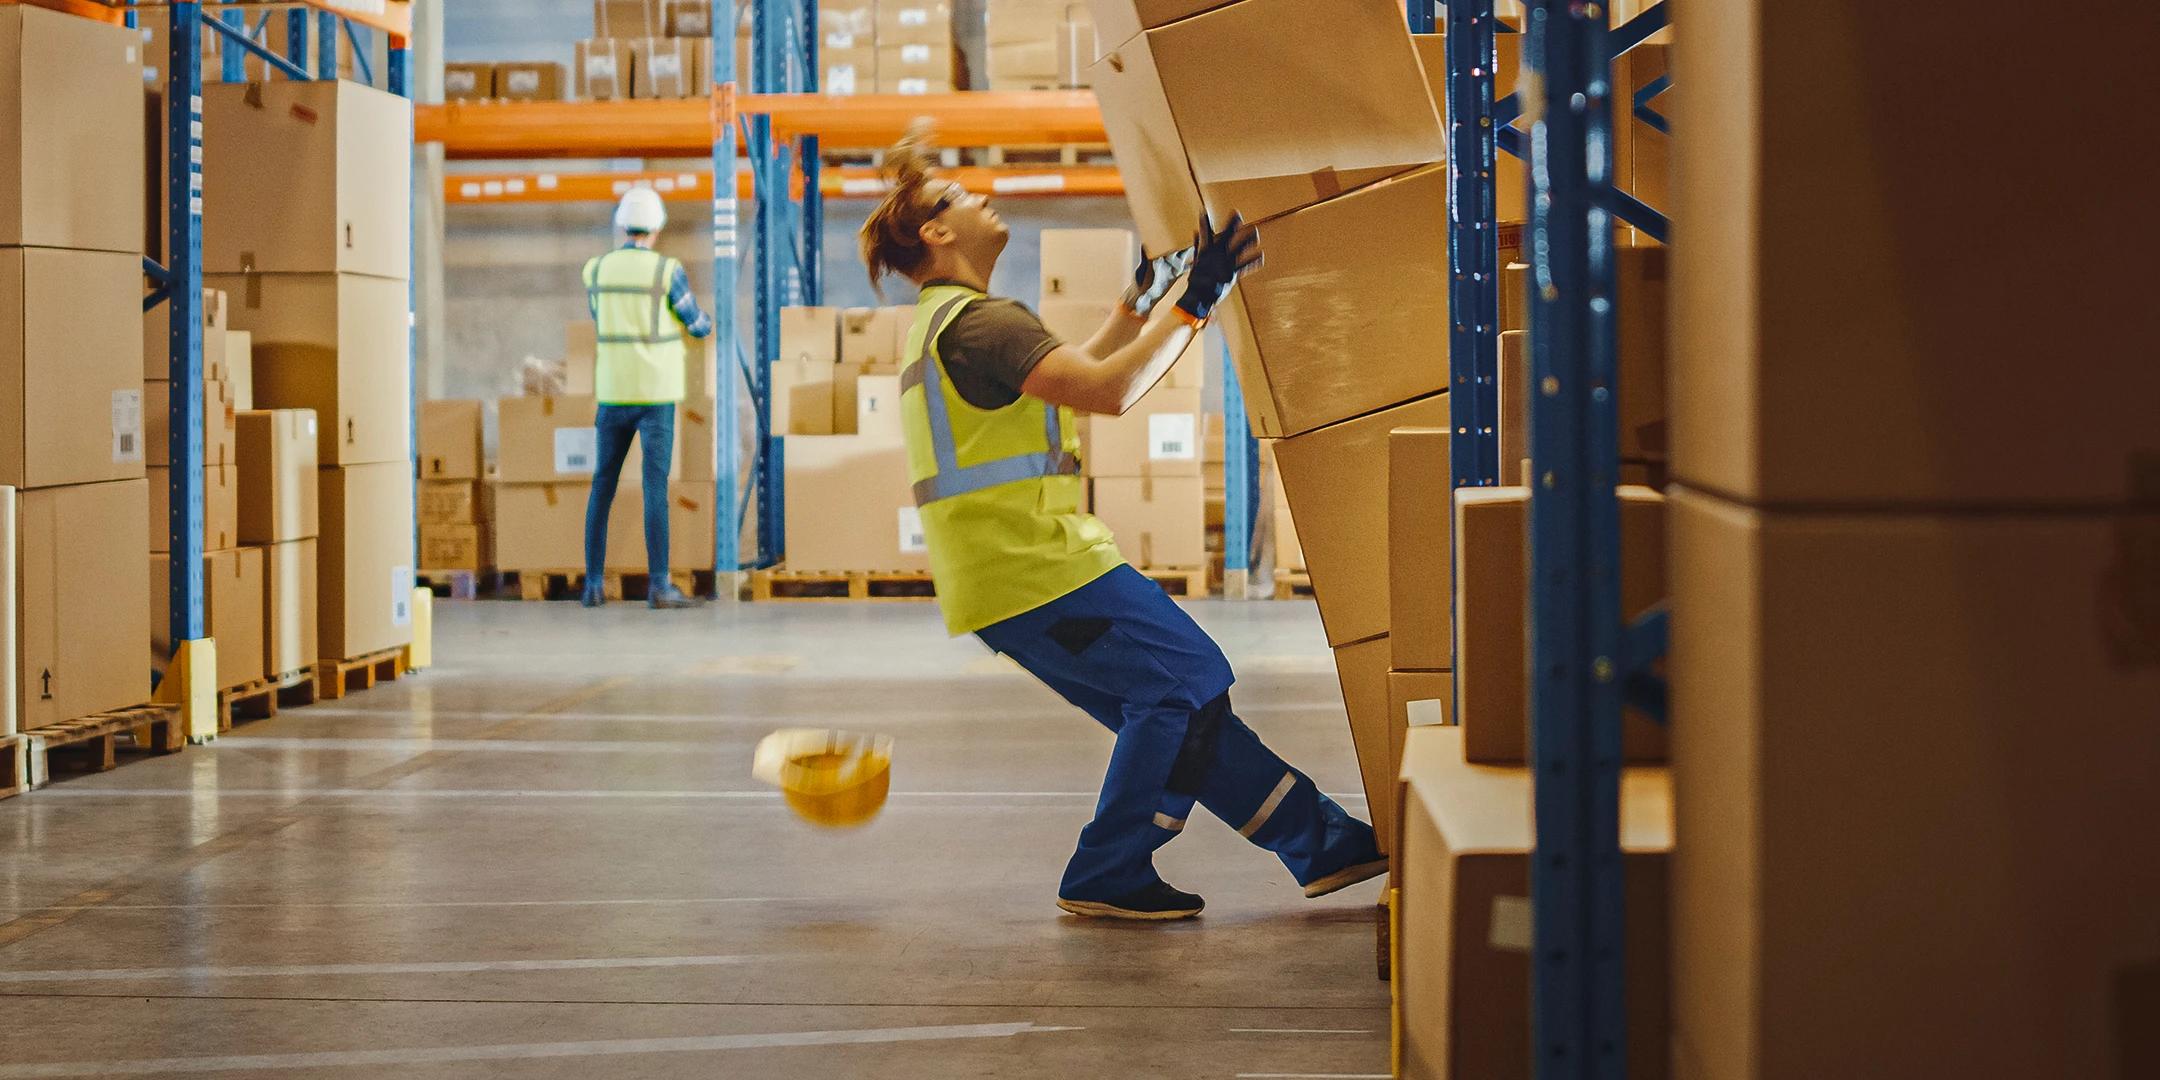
1152,280
1218,258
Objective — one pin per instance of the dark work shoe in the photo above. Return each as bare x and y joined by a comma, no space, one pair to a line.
666,595
1157,901
1347,876
595,594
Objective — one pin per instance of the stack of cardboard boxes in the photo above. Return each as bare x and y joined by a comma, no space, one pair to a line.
837,391
644,49
1916,562
454,518
306,215
887,47
509,80
72,438
1039,44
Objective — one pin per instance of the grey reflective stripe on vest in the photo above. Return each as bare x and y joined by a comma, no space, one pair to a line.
951,479
658,291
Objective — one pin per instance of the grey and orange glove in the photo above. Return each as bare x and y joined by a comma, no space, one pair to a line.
1219,256
1152,280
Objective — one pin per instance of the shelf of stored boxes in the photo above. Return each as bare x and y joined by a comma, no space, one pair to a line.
843,182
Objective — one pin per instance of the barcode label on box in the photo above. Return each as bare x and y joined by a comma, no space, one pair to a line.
839,79
914,54
401,587
914,86
576,449
914,16
911,534
127,425
522,82
665,66
1171,437
599,67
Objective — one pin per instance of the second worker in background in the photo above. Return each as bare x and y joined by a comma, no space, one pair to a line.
642,306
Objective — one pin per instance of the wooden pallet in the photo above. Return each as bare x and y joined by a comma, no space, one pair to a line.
1190,582
261,699
1292,583
336,678
455,584
25,759
555,584
841,585
1045,154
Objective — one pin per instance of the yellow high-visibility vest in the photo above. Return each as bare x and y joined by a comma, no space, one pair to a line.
999,489
640,358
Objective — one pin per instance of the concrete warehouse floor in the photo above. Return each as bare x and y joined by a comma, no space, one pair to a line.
546,858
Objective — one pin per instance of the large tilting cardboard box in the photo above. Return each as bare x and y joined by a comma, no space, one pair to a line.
306,178
366,559
289,608
1913,762
1268,116
1844,335
71,133
1491,600
1158,437
1464,914
450,440
1362,670
233,611
337,344
1337,482
850,506
221,507
82,588
1421,548
278,476
1318,338
71,388
1159,521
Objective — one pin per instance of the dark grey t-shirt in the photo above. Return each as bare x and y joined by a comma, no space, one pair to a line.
990,348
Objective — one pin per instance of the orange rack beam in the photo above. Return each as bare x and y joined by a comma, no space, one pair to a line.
395,18
843,182
684,127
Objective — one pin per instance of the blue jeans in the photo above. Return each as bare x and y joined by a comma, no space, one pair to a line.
654,428
1126,654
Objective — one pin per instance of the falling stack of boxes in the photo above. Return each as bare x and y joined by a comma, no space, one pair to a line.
639,49
72,438
887,47
836,395
306,222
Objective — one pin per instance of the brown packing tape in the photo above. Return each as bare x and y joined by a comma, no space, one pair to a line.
1326,184
547,406
548,491
253,280
253,95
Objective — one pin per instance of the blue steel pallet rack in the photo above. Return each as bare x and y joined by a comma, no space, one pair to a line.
1583,660
180,280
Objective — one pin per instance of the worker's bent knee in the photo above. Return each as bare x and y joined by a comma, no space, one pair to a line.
1196,754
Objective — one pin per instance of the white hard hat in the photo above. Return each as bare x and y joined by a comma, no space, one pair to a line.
641,211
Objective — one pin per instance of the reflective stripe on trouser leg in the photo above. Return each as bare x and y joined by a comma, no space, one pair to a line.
1267,808
1165,821
1135,814
1280,809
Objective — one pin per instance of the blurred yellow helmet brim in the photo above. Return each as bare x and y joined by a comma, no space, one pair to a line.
831,778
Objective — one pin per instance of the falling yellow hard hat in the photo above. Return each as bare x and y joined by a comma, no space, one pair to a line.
831,778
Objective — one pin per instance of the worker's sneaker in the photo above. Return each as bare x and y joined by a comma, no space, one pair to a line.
1157,901
666,595
595,594
1347,876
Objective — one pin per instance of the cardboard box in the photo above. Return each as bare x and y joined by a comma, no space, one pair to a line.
1514,408
1821,663
1491,601
454,547
1075,321
1336,479
802,395
846,26
877,405
662,67
850,506
1094,265
540,439
366,559
629,18
914,22
891,83
529,80
468,81
451,440
452,502
1159,521
1268,136
306,178
82,602
337,344
72,129
690,18
220,424
277,469
1159,437
1025,65
542,527
221,508
1159,186
1641,322
218,342
899,63
1463,929
1511,189
1318,338
1121,19
240,367
844,401
1416,699
874,335
601,69
81,420
1362,669
697,447
848,71
289,607
233,612
1421,549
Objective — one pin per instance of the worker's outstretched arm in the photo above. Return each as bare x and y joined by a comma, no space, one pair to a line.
695,322
1130,354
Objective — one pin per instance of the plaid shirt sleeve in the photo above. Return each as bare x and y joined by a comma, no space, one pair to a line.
695,321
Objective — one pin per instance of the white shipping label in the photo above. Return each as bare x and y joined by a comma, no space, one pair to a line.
599,67
914,54
461,82
914,86
666,66
401,587
577,449
127,425
522,82
911,534
1171,436
1426,712
1509,928
915,16
839,79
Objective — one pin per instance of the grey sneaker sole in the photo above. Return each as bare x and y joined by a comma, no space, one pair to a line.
1346,877
1095,910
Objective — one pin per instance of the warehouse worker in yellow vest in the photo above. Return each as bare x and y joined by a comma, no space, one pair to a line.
987,400
642,305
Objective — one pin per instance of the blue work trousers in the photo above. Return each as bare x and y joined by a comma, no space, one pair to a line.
1127,655
654,428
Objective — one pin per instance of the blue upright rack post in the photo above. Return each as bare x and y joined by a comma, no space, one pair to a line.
727,346
782,51
184,422
1473,247
1241,477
